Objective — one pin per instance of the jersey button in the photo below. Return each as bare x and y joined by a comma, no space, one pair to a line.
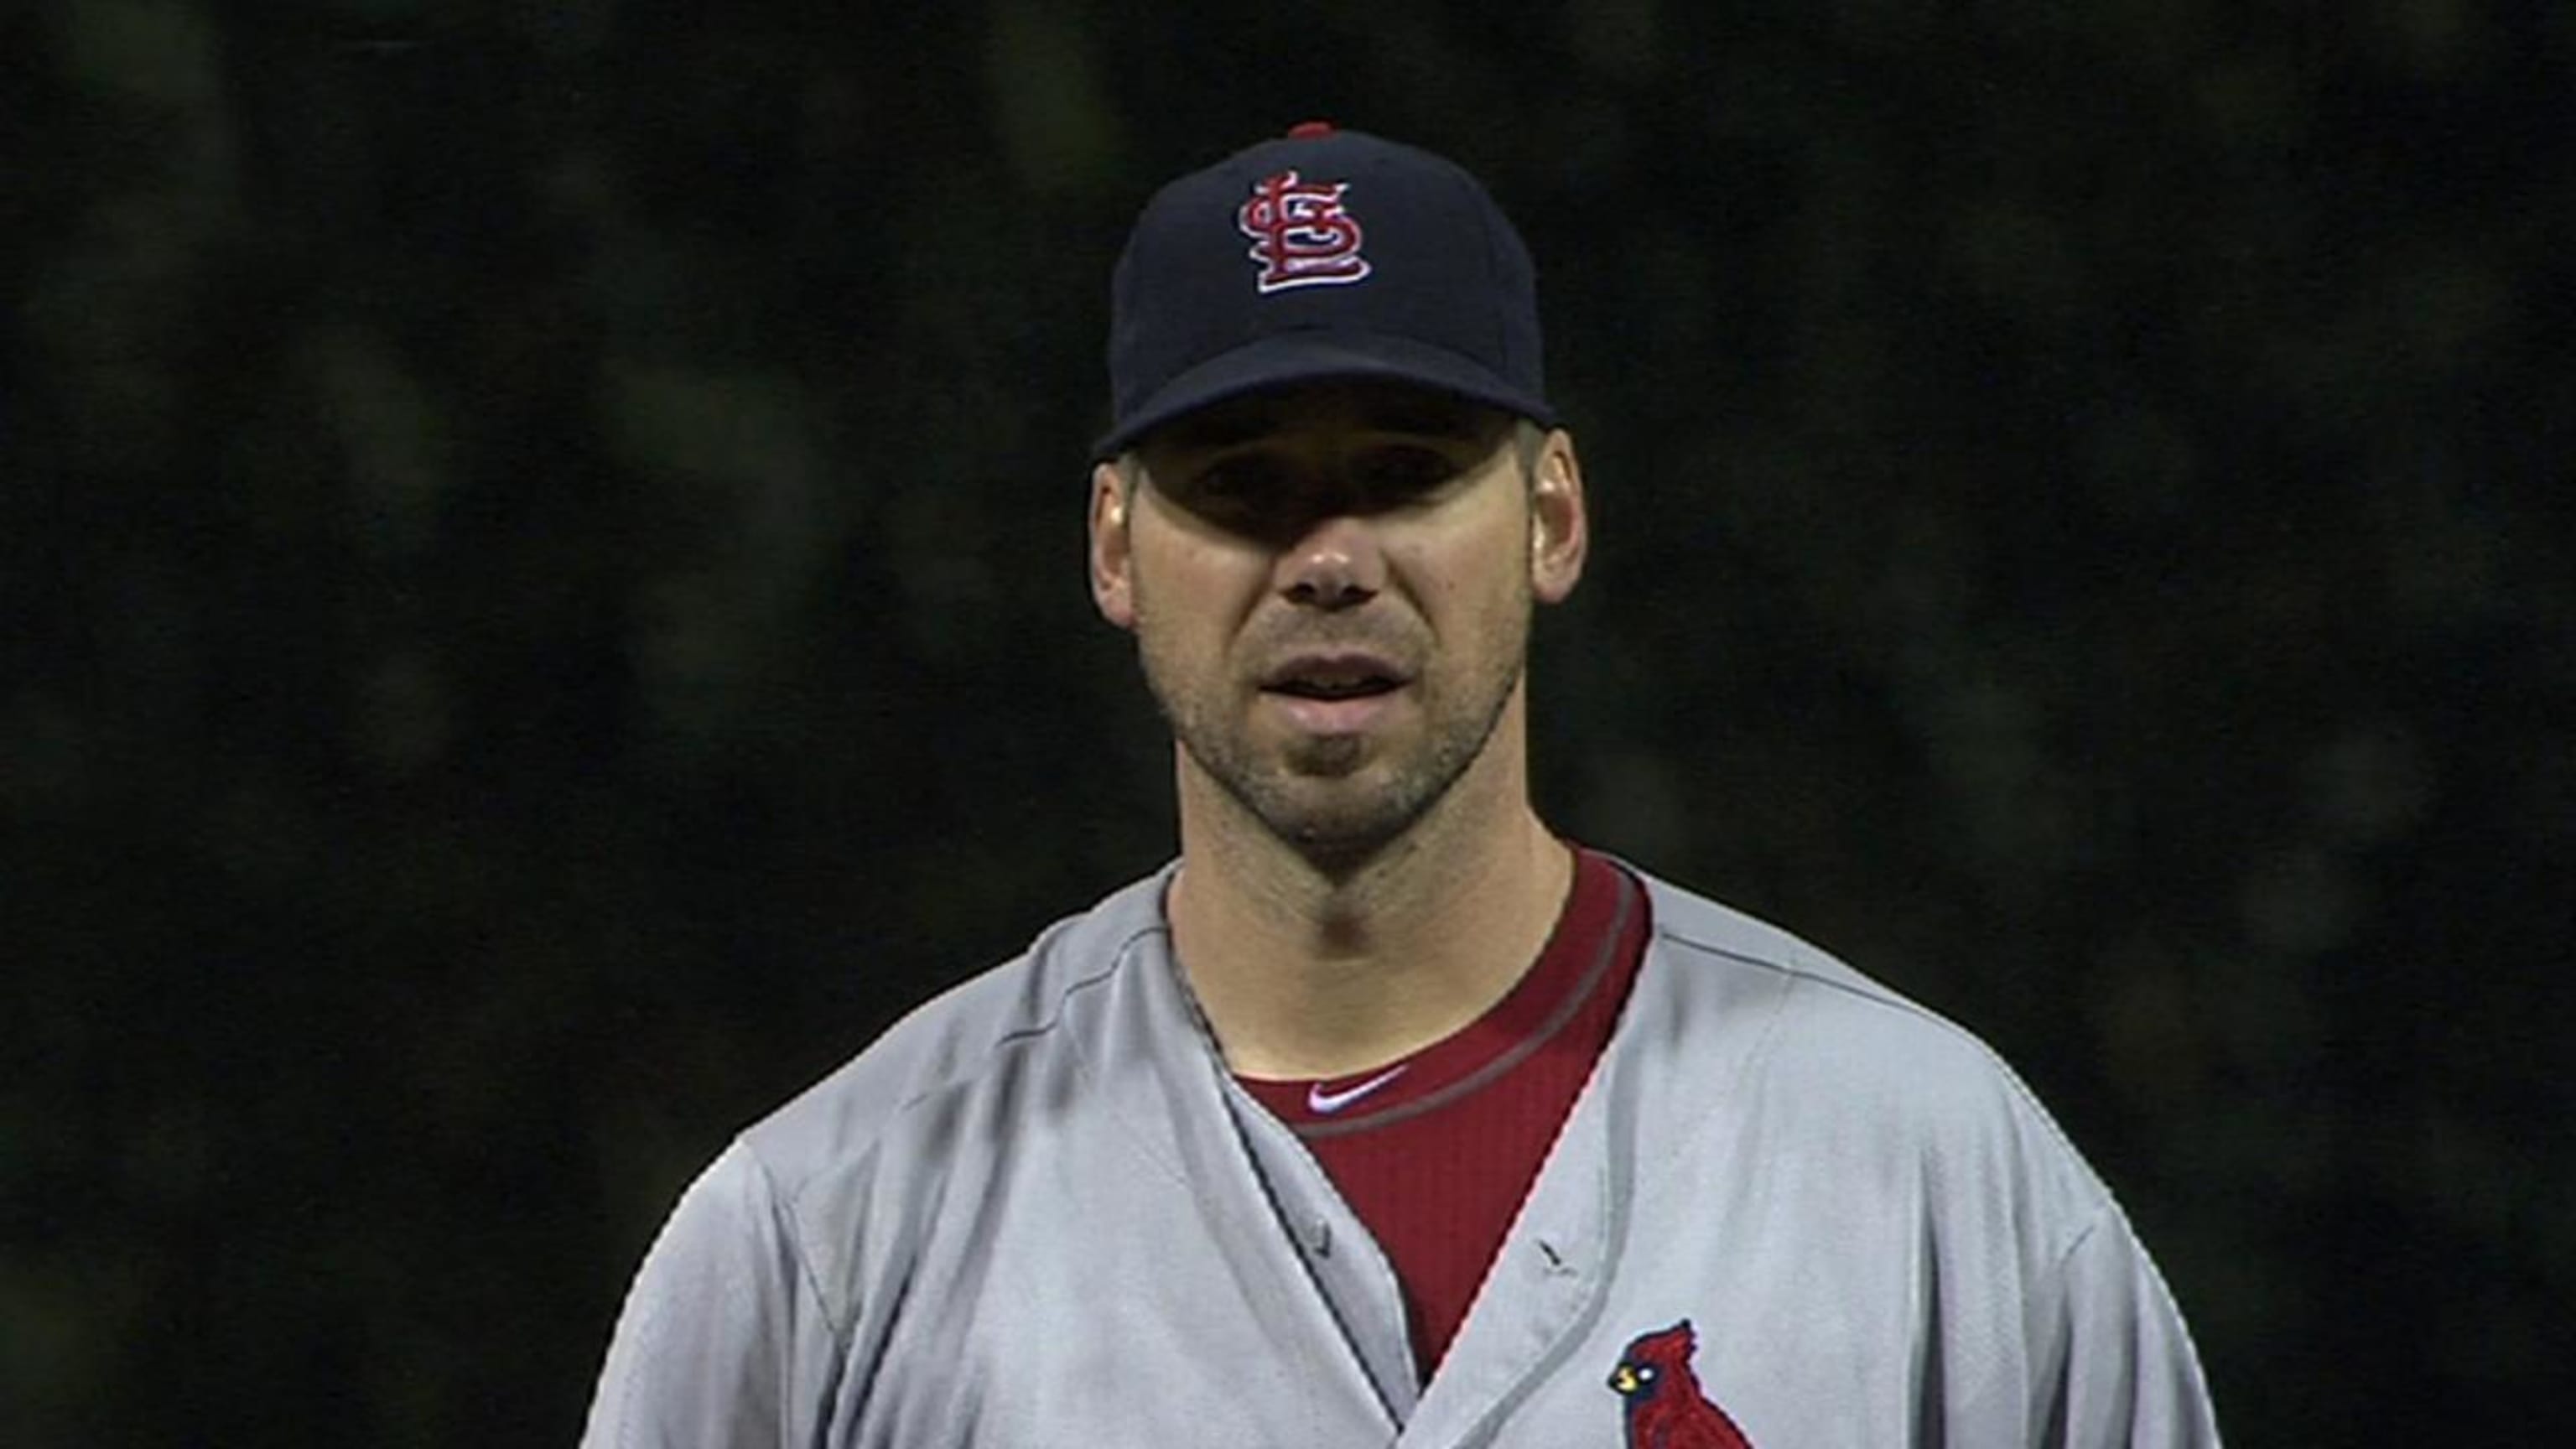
1319,1237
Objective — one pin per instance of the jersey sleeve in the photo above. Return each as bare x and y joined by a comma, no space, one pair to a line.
722,1343
2123,1372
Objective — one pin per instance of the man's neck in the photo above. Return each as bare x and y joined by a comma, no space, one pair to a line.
1308,972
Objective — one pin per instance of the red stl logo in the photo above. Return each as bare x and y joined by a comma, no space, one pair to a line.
1300,234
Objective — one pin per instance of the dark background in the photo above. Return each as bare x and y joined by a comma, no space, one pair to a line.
540,605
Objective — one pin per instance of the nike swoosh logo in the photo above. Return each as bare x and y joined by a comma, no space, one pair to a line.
1325,1103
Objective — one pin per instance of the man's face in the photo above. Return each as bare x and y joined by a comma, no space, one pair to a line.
1331,589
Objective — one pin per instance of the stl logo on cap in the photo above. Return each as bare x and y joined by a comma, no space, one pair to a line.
1300,234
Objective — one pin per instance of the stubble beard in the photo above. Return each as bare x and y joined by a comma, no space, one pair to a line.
1312,796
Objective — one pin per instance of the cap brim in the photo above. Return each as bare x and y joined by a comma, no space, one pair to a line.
1288,358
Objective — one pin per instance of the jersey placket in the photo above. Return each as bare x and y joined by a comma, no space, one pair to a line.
1546,1283
1546,1287
1165,1079
1343,1263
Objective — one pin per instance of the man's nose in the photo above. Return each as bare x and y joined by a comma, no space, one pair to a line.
1335,563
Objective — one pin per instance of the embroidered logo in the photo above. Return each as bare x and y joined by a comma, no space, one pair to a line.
1325,1104
1666,1407
1300,234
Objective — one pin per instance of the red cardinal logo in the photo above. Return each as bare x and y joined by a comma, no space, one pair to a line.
1666,1409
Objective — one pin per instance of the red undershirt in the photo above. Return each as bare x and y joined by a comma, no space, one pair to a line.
1435,1152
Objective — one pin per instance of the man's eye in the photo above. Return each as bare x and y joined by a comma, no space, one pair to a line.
1237,481
1397,472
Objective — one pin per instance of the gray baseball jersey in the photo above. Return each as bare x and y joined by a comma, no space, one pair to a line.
1039,1211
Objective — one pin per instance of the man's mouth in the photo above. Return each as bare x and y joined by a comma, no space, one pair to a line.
1359,687
1334,676
1336,692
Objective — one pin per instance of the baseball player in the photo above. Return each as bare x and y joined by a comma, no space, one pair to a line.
1383,1115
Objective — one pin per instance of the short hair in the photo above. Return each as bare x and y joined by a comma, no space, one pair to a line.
1528,441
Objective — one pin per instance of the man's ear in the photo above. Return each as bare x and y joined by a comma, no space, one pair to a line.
1560,529
1112,586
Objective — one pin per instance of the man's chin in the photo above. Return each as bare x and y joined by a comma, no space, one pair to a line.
1332,759
1337,821
1338,847
1337,800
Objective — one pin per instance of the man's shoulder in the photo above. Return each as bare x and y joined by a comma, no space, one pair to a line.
993,1022
1821,1039
1717,944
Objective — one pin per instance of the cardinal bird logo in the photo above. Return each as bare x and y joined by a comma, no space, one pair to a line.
1666,1407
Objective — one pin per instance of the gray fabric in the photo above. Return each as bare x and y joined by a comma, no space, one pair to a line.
1038,1212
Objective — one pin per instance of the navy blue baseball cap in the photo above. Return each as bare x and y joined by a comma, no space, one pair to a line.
1323,254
